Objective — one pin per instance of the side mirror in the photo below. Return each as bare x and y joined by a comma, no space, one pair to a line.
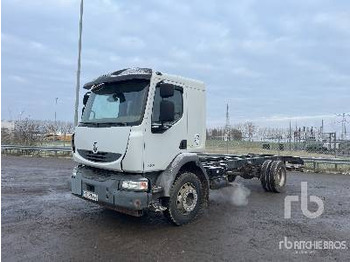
86,98
167,111
166,90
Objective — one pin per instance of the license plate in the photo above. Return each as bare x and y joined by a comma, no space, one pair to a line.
90,195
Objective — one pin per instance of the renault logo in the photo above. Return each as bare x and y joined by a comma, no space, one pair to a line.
94,148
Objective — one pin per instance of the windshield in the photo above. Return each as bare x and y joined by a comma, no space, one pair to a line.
120,103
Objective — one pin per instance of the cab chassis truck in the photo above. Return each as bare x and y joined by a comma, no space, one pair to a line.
140,142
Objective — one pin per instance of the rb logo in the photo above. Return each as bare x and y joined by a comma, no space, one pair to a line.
304,204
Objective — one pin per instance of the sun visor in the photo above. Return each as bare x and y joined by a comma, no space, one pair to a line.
121,75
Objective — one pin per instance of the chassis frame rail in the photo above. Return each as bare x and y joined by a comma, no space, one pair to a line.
234,162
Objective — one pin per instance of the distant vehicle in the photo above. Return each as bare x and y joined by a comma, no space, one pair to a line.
140,146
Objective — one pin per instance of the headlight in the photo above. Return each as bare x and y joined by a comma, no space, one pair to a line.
139,185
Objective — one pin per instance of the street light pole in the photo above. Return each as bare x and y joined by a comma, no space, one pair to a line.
76,113
56,110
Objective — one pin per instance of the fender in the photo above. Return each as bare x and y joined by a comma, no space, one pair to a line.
167,177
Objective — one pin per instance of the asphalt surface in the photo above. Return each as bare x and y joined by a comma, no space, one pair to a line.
42,221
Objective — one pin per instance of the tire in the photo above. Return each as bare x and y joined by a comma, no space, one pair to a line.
278,177
273,176
265,170
186,199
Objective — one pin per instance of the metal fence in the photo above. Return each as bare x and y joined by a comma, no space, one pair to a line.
316,162
17,149
306,141
26,150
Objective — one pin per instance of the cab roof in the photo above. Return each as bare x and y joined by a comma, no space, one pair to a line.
121,75
140,73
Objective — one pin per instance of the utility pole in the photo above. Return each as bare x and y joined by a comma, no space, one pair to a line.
56,110
76,113
290,135
227,125
227,128
335,144
343,124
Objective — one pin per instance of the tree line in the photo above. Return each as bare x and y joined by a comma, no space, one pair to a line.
251,132
238,132
33,132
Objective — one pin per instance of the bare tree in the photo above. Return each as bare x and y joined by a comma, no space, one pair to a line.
249,130
236,134
27,132
33,132
6,136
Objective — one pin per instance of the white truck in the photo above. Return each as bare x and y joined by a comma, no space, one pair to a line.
140,146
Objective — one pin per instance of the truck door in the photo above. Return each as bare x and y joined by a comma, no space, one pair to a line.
164,141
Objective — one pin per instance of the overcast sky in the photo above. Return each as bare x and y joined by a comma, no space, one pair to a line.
270,60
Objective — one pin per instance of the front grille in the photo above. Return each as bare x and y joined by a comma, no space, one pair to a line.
99,156
96,174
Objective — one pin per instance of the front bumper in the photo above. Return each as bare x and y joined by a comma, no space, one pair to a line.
106,185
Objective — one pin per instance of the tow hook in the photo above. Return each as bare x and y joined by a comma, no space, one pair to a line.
157,207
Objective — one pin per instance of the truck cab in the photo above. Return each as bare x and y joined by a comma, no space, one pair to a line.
138,128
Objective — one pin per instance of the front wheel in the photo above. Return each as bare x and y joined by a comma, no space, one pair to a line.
186,199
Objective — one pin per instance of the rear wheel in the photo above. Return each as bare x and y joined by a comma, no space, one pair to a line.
186,199
278,176
265,169
273,176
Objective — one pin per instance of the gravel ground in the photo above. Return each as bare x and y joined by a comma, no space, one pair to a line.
42,221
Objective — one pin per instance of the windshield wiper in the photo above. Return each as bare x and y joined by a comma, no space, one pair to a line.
103,124
114,123
88,123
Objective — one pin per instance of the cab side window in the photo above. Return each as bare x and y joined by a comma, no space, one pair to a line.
177,99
